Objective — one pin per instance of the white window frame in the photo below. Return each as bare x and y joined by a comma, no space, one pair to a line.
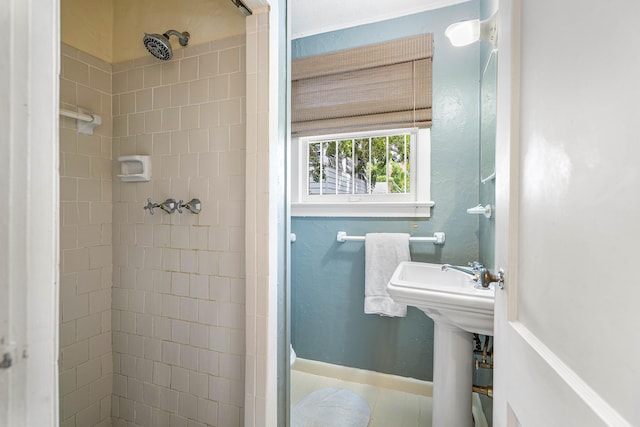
416,204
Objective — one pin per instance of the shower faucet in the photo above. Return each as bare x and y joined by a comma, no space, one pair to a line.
170,206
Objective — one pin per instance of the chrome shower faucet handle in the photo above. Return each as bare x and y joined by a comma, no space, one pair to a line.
151,206
193,205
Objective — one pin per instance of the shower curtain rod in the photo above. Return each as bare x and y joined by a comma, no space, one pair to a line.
438,238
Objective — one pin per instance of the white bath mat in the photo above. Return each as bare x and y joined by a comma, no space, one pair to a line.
331,407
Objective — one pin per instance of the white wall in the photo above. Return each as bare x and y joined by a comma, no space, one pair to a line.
311,17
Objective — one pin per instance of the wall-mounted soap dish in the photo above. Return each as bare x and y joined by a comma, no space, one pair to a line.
134,168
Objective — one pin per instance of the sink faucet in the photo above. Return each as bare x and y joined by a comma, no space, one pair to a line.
478,271
471,273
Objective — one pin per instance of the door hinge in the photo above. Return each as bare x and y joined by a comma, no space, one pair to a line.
7,353
6,362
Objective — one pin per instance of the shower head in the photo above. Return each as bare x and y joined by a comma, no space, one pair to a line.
158,44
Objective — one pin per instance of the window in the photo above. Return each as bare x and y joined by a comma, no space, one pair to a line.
384,173
360,121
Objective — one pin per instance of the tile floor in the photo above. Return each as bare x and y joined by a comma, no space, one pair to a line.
389,408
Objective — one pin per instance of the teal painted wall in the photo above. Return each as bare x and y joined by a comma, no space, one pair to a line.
327,287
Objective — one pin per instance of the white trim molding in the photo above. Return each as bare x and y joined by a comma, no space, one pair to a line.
29,226
557,376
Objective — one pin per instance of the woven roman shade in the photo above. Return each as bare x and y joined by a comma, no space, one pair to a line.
379,86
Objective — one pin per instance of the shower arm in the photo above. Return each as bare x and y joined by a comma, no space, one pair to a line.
183,38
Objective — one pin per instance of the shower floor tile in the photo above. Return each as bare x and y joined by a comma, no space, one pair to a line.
389,408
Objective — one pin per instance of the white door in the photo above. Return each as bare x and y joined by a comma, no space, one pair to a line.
28,213
567,345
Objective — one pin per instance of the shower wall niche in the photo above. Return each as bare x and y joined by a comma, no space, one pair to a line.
153,307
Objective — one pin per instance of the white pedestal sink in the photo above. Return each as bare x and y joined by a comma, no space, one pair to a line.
458,310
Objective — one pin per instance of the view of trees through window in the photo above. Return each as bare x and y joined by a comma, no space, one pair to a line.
362,165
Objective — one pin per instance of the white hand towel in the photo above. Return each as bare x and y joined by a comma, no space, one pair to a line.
383,253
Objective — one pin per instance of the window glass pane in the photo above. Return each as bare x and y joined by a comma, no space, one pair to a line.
362,172
345,166
407,157
397,165
379,165
365,165
314,168
329,167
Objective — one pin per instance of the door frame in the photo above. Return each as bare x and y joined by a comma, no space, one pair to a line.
29,227
506,201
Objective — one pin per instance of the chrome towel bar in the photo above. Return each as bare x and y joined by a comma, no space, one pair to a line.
438,238
86,121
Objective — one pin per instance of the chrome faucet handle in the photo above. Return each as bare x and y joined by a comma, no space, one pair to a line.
193,205
169,206
151,206
475,265
179,206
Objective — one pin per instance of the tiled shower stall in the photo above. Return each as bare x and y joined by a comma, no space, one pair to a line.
153,306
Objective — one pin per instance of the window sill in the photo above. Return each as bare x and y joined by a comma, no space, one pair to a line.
364,209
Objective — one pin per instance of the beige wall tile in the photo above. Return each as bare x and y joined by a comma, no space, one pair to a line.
75,70
127,102
152,75
170,119
208,65
100,80
87,373
190,117
179,94
230,111
68,92
120,126
90,145
76,165
75,354
188,261
120,82
198,91
199,287
89,99
170,72
161,97
152,123
219,88
189,69
136,124
144,100
100,301
229,61
88,281
237,85
135,79
210,114
168,337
